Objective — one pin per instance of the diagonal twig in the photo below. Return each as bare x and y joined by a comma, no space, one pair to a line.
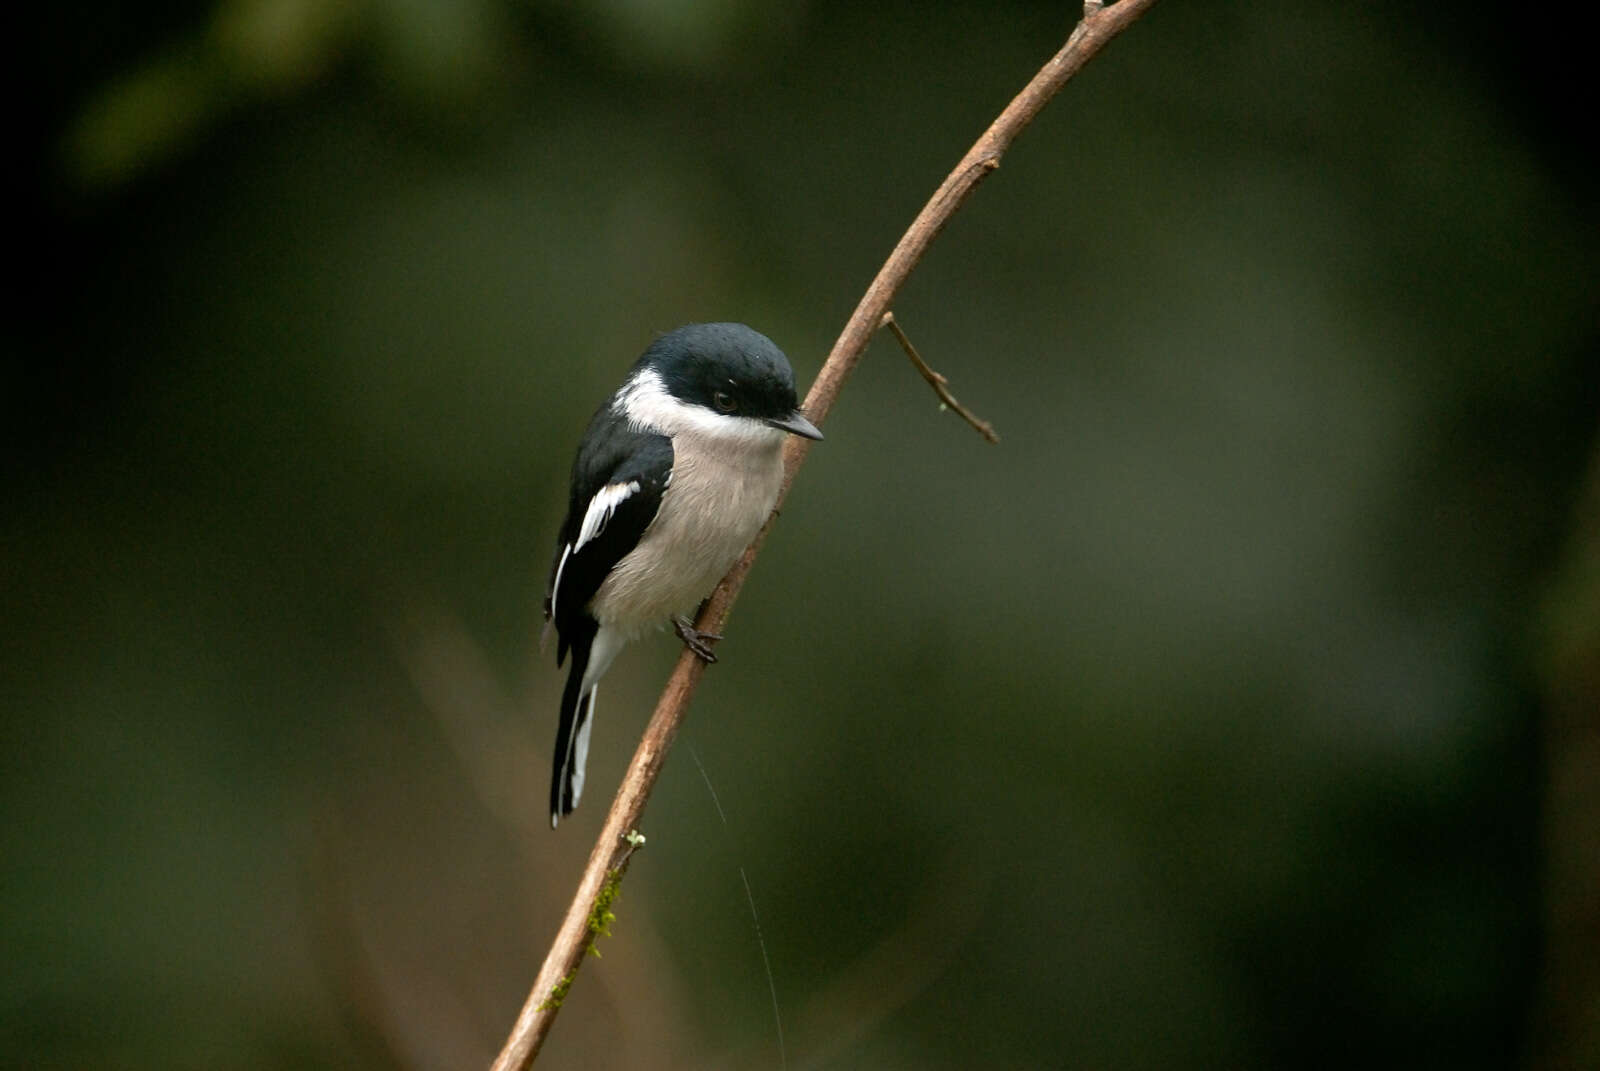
1099,25
940,385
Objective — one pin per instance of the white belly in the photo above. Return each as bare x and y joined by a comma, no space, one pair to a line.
681,556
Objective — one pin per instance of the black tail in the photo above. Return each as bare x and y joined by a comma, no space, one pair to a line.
572,739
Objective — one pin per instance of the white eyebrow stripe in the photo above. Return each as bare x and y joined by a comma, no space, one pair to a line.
601,507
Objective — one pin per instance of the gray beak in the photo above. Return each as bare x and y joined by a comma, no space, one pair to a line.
795,424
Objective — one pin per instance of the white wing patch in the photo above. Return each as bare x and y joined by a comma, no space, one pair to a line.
601,507
555,587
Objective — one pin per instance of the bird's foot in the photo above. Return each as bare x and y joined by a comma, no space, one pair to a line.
697,641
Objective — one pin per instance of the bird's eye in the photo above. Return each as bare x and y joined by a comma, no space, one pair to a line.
723,401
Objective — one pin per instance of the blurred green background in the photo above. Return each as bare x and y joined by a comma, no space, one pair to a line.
1238,710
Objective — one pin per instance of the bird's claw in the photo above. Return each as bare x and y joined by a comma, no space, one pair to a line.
697,641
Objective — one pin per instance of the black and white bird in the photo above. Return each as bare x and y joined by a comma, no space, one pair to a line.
675,476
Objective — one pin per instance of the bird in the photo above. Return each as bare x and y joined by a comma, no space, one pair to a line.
676,474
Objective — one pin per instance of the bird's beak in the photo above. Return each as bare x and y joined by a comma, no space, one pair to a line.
795,424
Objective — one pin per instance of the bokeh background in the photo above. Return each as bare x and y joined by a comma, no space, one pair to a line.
1238,710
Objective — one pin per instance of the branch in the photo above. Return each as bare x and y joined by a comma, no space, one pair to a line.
940,385
603,872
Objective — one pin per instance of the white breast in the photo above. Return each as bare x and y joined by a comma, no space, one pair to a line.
722,489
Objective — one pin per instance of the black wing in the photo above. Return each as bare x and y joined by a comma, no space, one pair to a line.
617,482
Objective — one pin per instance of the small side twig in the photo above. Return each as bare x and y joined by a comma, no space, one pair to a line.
940,385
